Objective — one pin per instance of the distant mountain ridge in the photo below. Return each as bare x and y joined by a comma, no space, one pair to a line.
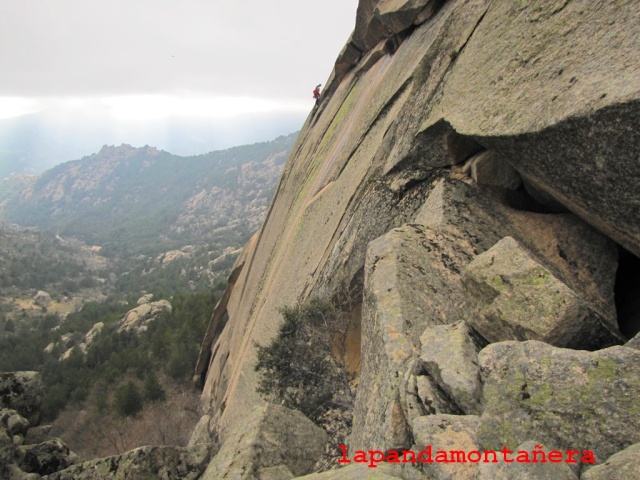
31,144
131,198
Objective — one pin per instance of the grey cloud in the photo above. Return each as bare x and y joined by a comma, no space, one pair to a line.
224,47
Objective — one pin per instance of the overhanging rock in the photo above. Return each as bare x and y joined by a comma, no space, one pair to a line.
553,87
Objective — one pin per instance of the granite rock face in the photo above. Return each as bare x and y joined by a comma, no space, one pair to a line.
450,356
567,399
624,464
571,108
447,433
397,308
272,443
459,142
539,470
162,463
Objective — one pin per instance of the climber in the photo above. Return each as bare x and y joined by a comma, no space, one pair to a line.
316,93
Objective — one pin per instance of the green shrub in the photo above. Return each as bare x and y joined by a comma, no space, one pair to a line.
128,401
301,368
153,391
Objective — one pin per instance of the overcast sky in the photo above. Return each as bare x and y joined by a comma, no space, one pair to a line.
139,57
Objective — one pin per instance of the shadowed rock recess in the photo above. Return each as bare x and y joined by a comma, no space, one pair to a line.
472,171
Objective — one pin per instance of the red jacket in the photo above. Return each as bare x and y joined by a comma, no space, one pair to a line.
316,93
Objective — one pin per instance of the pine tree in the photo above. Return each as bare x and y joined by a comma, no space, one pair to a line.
128,401
153,391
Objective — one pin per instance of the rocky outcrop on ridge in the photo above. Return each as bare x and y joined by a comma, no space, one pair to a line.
471,176
137,319
221,196
68,340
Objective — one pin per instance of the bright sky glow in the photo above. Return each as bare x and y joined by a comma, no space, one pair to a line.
186,76
157,58
15,106
140,107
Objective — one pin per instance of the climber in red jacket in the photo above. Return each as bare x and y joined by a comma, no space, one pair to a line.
316,93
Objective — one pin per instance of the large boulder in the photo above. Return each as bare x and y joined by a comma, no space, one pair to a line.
622,465
567,399
37,434
42,299
273,442
575,253
137,319
45,458
448,433
511,469
517,298
450,355
144,463
23,392
403,270
15,423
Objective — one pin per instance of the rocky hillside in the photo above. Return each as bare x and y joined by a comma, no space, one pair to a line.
44,274
130,199
471,178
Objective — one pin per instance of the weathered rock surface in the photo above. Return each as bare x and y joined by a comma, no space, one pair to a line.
82,346
45,458
37,434
403,269
517,298
634,342
272,443
538,470
450,355
24,456
413,280
7,451
145,299
570,109
448,432
575,253
369,198
486,168
201,431
622,465
144,463
358,472
42,299
567,399
23,392
16,424
137,319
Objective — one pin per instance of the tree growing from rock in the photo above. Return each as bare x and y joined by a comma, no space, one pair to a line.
304,368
